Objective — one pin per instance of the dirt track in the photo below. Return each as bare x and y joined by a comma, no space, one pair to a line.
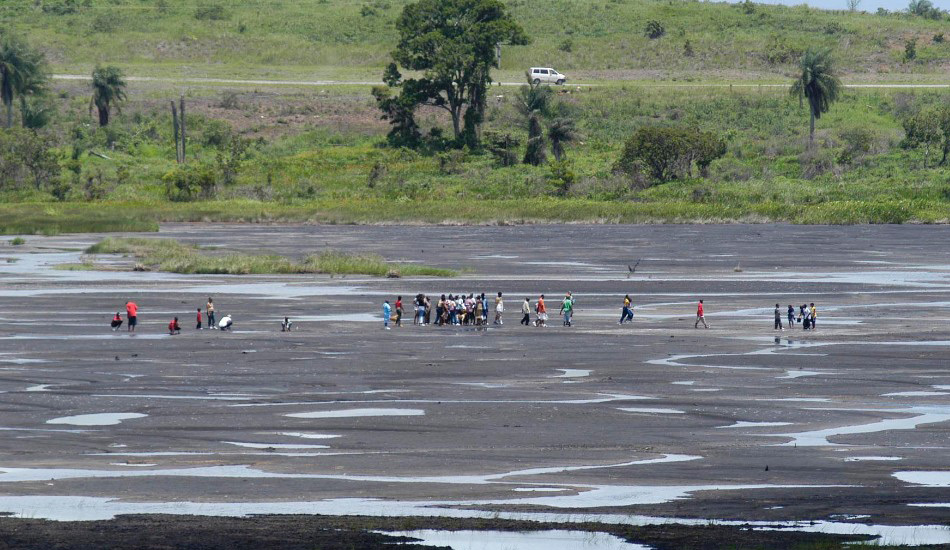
486,419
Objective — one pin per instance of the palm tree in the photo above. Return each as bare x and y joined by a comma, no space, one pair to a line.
818,83
108,89
22,72
534,98
534,153
561,132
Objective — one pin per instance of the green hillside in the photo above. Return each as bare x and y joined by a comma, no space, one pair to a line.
587,38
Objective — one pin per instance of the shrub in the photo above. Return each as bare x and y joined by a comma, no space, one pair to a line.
667,153
36,111
504,147
28,159
229,100
858,142
228,160
452,162
924,8
938,38
815,161
910,50
834,28
190,182
104,23
688,49
211,12
61,7
561,177
779,50
567,46
654,30
216,133
17,241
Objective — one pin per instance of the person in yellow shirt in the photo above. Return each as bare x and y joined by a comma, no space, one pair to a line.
627,313
814,316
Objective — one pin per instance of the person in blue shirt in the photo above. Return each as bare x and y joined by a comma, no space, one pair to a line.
387,314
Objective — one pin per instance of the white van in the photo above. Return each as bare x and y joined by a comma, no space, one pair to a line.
547,75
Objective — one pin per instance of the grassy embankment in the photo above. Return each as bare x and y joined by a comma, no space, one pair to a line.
342,173
173,256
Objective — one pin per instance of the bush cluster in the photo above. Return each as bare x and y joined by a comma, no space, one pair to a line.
666,153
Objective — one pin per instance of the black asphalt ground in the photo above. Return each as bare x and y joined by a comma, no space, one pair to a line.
847,426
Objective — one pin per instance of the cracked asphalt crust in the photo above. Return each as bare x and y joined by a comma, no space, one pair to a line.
492,399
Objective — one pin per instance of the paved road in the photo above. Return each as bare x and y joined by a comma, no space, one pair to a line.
322,83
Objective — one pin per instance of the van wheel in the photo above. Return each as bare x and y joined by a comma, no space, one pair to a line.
537,81
560,82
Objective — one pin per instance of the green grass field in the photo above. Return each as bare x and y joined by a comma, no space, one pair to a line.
351,39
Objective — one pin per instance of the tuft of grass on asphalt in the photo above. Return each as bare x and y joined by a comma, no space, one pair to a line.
176,257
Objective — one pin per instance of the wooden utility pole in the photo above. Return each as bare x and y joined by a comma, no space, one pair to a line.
178,126
182,127
175,129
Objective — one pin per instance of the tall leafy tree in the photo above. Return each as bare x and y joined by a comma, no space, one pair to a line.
452,45
108,90
818,83
22,72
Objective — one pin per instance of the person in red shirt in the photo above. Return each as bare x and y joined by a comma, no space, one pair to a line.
700,316
132,310
199,320
398,322
542,312
116,321
174,327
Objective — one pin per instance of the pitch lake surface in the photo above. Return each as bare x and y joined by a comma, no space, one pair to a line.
841,430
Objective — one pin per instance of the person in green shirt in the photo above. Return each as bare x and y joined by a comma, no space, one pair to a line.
567,308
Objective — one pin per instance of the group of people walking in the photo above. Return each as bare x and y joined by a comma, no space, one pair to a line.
471,310
474,310
807,315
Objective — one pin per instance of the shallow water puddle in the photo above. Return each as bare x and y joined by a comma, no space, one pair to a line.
80,508
915,394
274,445
647,410
12,475
304,435
925,478
744,424
792,374
815,438
506,540
354,413
98,419
872,458
39,388
195,397
573,373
